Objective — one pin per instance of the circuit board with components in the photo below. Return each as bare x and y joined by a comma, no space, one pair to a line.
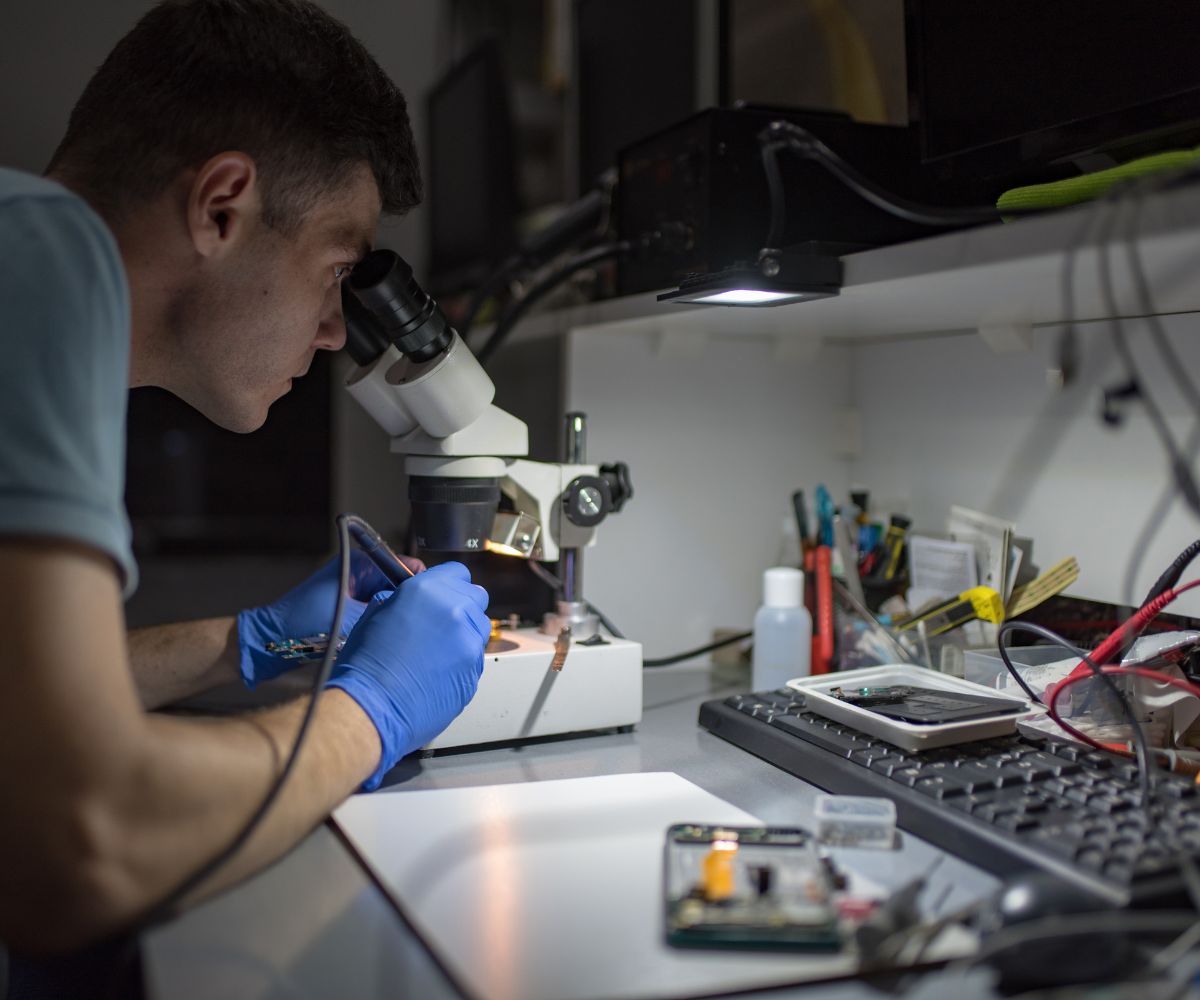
311,647
762,888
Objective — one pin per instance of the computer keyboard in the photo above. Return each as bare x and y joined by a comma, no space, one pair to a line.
1008,805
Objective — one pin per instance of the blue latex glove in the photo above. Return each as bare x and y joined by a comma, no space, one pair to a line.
414,659
305,610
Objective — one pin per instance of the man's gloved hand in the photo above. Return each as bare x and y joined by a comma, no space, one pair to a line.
414,659
306,610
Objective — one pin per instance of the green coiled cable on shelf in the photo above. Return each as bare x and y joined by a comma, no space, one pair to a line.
1086,187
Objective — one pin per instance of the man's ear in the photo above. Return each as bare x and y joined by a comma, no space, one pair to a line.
223,203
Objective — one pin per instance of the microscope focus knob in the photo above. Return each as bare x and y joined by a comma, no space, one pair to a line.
620,486
587,501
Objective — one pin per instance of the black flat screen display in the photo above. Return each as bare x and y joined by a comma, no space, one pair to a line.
1004,83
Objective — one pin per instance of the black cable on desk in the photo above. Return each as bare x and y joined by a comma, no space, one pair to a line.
1141,743
667,661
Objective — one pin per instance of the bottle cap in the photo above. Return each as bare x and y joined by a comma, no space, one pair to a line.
783,587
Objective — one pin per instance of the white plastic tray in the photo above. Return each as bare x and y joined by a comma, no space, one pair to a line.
906,735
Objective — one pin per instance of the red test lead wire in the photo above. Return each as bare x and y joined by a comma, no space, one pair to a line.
1075,678
1128,630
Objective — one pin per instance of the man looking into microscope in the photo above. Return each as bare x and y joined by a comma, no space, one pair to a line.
222,172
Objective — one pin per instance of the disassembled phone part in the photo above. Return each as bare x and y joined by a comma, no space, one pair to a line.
911,707
924,706
748,887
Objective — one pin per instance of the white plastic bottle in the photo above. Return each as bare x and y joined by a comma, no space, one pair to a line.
782,631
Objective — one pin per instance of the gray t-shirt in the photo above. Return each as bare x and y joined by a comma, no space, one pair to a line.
64,371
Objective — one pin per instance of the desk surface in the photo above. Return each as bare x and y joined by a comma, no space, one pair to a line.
314,925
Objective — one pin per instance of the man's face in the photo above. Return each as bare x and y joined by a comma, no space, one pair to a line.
253,323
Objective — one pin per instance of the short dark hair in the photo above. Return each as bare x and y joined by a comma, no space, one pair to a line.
280,80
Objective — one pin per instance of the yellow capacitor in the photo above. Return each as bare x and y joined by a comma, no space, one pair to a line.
719,872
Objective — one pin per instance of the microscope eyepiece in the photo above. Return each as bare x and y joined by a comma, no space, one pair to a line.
365,339
402,311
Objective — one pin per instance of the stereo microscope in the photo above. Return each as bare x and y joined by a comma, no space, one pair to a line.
472,489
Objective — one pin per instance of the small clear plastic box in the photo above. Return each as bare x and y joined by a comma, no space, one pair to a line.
856,821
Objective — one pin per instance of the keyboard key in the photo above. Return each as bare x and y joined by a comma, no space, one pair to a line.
818,735
1177,789
940,788
1039,766
886,765
1051,844
1125,851
906,775
1118,870
1108,803
977,777
1149,866
997,810
1017,823
1127,772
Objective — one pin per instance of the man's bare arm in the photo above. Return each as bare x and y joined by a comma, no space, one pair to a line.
110,808
173,662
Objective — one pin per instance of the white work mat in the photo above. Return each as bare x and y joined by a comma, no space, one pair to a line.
552,890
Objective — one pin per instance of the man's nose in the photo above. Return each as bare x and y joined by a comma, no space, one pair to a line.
331,333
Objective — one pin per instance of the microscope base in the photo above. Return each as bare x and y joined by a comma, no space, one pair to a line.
520,697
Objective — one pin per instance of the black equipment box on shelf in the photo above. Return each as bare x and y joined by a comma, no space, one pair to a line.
704,177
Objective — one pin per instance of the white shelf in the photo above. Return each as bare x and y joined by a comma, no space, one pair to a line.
993,278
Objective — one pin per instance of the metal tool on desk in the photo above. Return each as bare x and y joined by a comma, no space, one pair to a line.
472,489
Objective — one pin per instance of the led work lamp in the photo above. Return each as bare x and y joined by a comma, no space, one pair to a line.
777,279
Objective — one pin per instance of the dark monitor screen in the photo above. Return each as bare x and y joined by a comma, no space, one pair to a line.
1007,83
640,67
471,176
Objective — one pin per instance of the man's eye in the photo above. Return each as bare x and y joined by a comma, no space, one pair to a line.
341,271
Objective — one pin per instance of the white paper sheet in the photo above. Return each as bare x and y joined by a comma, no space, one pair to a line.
939,569
992,538
552,890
